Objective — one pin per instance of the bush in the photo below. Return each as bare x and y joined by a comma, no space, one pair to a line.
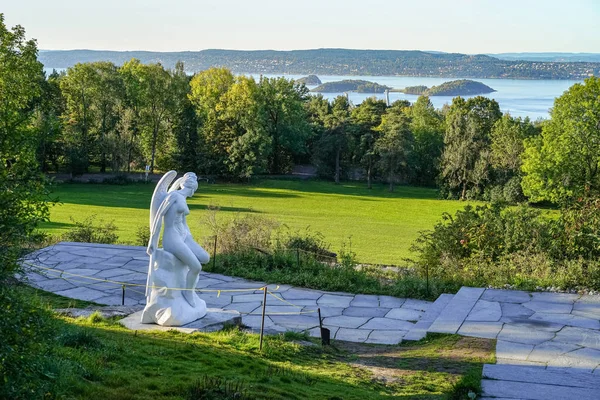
308,242
142,235
87,231
118,179
243,233
497,245
216,388
26,331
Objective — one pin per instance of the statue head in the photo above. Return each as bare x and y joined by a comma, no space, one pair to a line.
189,182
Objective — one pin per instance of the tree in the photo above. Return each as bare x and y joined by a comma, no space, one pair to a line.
395,145
427,127
564,161
47,122
506,151
22,206
208,90
365,119
284,120
466,156
337,124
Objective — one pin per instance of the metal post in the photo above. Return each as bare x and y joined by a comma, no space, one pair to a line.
215,253
262,324
122,295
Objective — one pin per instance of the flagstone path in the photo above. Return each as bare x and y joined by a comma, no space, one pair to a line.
548,344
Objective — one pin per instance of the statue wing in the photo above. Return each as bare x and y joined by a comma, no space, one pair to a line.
177,184
160,193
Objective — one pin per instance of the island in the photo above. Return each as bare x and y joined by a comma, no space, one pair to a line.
461,87
350,85
310,80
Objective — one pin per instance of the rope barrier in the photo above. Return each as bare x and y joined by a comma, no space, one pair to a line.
130,285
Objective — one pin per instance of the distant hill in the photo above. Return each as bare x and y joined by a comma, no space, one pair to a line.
550,57
349,85
338,62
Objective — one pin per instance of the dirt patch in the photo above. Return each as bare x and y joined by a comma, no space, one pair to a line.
451,355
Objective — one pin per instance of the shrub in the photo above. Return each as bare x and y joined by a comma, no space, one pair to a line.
307,241
142,235
118,179
87,231
497,245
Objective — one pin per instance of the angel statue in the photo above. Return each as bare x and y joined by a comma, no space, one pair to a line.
171,298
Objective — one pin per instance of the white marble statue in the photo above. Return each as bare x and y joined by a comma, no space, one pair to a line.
178,264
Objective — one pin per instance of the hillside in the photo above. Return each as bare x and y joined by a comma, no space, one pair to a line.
462,87
349,85
338,62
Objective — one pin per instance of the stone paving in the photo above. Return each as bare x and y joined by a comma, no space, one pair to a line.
548,344
357,318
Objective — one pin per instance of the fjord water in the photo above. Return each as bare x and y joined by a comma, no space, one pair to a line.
521,98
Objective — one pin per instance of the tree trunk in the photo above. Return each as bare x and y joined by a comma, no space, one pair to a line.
337,166
369,185
154,139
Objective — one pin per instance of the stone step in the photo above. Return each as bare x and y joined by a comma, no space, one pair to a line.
420,329
456,311
534,391
559,377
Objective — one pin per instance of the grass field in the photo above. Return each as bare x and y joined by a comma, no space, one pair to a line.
380,225
95,358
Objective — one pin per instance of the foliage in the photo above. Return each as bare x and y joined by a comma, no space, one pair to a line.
88,231
394,146
466,156
496,245
564,161
351,85
307,241
216,388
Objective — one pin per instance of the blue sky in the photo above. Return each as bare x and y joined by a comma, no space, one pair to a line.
464,26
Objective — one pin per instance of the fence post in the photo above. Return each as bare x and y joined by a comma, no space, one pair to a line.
262,324
215,253
122,295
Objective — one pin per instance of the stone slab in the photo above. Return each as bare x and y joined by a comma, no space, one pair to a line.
550,350
297,322
388,324
390,301
505,296
365,300
299,294
386,337
345,321
82,293
405,314
331,300
535,391
580,336
352,335
414,304
513,310
457,310
363,311
329,311
524,334
582,360
485,311
540,375
548,307
567,319
566,298
480,329
214,320
513,351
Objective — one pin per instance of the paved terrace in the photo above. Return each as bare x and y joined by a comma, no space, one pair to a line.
548,344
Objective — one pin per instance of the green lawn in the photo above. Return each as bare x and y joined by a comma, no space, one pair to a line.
381,225
98,359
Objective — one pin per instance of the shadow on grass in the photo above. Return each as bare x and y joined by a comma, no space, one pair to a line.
139,365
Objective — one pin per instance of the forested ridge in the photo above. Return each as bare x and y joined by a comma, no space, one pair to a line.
338,62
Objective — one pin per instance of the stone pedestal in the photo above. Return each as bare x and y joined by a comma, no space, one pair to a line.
214,320
166,305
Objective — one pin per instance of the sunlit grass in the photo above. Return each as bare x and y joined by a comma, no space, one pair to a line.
380,225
